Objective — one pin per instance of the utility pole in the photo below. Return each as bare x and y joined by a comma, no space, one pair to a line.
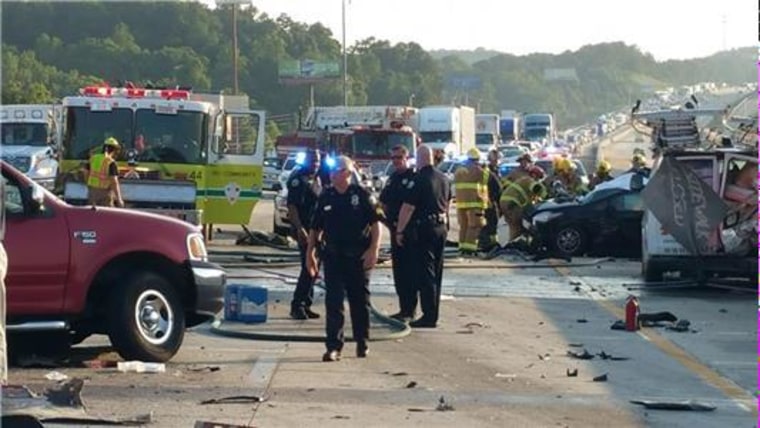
234,47
345,57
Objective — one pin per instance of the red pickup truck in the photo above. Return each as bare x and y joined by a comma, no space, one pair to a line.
140,278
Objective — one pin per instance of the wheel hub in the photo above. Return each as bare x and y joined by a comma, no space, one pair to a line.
154,316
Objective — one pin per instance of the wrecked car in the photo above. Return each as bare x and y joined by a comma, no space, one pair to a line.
605,222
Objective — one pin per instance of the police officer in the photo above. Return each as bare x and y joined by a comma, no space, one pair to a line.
304,187
391,199
103,176
488,235
346,225
423,225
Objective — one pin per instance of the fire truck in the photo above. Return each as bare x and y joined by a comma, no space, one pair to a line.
197,157
365,133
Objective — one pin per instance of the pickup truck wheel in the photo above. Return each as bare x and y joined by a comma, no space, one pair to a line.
146,318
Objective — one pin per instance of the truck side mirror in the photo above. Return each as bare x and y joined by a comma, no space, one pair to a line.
37,202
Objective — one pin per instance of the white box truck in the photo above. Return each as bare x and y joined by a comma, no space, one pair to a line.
448,129
486,131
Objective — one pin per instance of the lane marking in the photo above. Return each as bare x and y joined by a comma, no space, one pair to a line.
262,372
725,385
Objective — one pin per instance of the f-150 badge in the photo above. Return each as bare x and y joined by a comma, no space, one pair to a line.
86,236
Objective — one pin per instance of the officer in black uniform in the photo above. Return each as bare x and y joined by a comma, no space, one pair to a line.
423,225
303,189
488,235
346,227
391,199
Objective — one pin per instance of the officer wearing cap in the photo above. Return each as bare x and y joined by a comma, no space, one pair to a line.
304,186
345,224
103,176
391,199
423,225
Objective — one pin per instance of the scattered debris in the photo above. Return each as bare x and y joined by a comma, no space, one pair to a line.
723,310
581,356
601,378
415,409
572,373
140,367
575,345
543,376
400,374
618,325
605,356
545,357
99,364
540,323
575,283
505,375
204,424
411,384
676,405
577,288
204,368
443,406
465,332
529,365
56,376
311,389
657,317
681,326
236,399
341,417
476,324
581,320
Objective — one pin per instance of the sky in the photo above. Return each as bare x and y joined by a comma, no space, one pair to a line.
668,29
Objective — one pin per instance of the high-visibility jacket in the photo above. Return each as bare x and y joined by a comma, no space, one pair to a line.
520,191
98,178
471,187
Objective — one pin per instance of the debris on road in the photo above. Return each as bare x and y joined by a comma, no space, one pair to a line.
581,356
618,325
236,399
204,368
681,326
676,405
581,320
443,406
658,317
56,376
411,384
575,345
605,356
601,378
205,424
509,376
545,357
572,373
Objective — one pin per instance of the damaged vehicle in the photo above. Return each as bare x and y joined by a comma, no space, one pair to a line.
604,222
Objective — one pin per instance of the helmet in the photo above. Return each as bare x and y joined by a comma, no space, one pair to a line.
604,167
473,154
536,172
111,142
564,164
638,160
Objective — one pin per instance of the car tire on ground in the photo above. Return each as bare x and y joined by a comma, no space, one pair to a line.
570,241
146,319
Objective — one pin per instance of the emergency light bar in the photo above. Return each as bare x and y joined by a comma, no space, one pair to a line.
106,91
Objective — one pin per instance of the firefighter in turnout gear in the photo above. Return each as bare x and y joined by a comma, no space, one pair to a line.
103,176
488,236
519,193
565,182
602,174
471,190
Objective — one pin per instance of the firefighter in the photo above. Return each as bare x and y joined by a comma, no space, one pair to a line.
639,165
471,190
517,194
346,223
565,181
103,176
525,161
602,174
488,236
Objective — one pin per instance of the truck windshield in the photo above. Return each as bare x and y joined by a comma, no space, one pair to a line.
380,143
24,134
485,140
535,134
170,138
86,130
433,137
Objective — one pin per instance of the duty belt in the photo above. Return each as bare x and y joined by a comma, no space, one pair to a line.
434,218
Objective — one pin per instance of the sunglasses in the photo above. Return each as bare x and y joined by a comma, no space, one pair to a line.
397,157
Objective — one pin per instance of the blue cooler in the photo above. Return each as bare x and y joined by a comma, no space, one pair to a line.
231,302
253,304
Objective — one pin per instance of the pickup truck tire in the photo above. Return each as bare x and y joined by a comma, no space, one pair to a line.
146,318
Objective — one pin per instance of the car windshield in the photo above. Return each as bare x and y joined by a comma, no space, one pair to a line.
273,162
511,152
289,164
24,134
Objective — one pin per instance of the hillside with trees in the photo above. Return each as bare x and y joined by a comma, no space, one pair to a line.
185,43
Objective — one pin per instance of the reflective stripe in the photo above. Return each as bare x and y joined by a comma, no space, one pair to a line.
98,177
468,246
462,205
466,186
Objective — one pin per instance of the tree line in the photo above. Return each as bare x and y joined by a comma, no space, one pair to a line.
51,49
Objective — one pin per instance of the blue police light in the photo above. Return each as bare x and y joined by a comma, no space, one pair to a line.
300,158
330,162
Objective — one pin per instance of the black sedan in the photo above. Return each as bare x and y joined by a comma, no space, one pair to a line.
605,222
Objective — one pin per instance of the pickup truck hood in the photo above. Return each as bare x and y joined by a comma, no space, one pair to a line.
130,230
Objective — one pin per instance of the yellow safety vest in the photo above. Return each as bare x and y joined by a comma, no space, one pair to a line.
98,178
471,188
518,191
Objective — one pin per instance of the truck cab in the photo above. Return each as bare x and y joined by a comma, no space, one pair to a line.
28,140
140,278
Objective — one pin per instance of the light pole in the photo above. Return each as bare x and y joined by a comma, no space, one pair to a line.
234,4
345,56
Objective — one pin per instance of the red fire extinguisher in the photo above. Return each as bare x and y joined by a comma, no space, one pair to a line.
632,313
